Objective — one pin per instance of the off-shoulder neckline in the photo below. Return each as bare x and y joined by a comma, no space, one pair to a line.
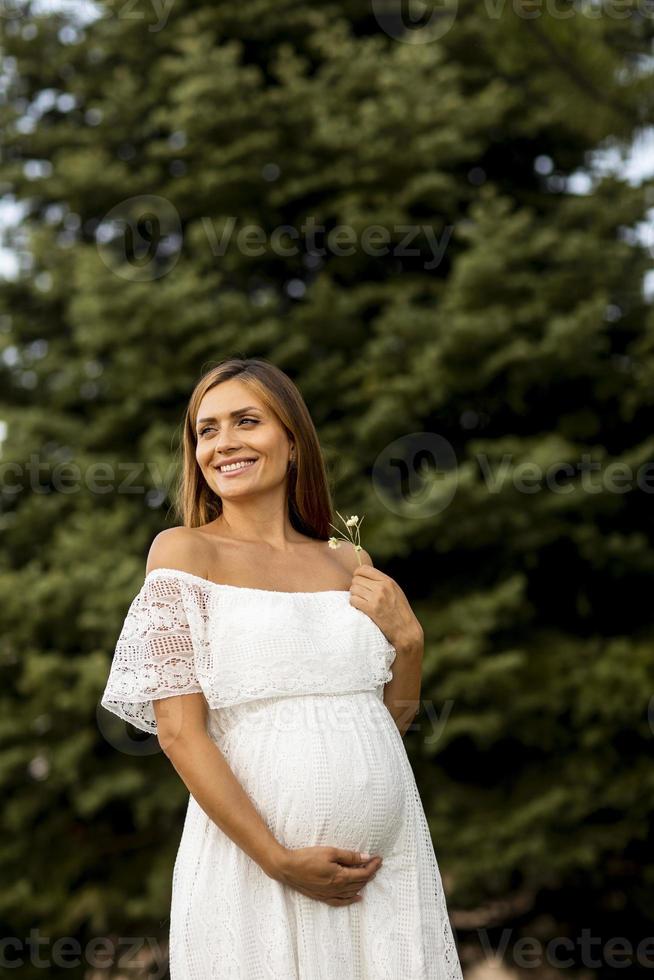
207,582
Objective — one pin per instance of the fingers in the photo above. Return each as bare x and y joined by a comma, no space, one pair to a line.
347,894
341,900
342,879
343,856
359,875
356,879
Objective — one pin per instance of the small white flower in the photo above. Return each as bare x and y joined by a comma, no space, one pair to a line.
353,527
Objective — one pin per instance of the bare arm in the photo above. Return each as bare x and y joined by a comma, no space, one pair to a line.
333,875
181,723
183,736
402,693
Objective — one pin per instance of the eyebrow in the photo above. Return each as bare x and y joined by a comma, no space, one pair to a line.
238,411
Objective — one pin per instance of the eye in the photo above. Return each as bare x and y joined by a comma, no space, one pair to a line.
244,419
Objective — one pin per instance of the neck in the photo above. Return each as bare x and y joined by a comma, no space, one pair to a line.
261,519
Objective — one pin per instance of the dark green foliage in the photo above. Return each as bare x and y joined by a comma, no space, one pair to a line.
526,337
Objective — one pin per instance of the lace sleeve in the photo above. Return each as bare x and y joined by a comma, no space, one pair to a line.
154,656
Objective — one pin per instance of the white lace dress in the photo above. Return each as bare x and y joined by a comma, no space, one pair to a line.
294,683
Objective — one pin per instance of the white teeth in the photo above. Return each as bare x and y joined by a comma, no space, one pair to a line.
236,466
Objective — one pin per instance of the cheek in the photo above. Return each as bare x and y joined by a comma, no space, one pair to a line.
203,456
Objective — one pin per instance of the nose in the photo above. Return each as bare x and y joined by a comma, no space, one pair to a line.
225,444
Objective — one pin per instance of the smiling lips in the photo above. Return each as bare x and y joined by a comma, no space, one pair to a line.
238,466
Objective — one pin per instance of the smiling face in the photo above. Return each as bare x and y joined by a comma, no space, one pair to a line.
235,427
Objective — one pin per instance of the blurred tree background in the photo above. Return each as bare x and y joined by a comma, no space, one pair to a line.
506,314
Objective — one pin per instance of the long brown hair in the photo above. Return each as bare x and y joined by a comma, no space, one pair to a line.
309,499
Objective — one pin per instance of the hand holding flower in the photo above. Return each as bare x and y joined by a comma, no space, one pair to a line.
380,597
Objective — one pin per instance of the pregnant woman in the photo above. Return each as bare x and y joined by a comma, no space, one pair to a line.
261,657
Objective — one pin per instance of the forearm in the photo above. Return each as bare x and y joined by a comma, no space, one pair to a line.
210,780
402,693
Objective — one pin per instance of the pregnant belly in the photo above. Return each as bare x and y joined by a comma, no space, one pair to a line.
320,769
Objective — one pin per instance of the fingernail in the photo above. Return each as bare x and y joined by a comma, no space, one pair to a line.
364,856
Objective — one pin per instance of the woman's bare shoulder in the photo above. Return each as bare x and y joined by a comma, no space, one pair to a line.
181,548
346,554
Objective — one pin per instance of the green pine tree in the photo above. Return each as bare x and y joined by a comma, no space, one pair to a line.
504,316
